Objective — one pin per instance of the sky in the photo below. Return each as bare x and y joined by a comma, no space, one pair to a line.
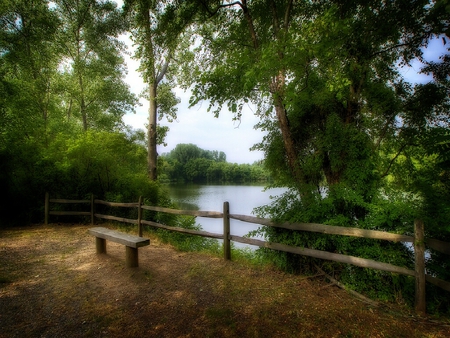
197,126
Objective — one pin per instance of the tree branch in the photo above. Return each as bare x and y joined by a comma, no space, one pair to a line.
406,44
287,14
383,133
276,23
251,27
393,160
214,12
352,292
163,70
244,7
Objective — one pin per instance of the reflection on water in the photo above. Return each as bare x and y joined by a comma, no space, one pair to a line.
241,198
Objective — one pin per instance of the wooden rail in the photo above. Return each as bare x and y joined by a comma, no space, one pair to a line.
327,229
419,241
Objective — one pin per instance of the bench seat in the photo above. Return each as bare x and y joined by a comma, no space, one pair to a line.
131,242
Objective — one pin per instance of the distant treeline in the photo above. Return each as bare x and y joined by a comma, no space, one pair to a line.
189,163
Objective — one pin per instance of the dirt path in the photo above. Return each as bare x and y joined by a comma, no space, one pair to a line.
52,284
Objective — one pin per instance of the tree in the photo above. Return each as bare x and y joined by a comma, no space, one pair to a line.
156,36
92,84
40,95
324,78
188,162
344,131
28,63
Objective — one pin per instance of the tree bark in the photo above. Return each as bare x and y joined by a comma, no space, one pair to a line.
419,255
277,89
83,103
251,26
288,141
150,78
152,122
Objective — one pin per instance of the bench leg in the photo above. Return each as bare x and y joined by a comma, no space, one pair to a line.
132,257
100,245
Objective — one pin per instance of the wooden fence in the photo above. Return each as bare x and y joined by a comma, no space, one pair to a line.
418,240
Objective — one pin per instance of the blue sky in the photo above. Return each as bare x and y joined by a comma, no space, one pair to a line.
195,125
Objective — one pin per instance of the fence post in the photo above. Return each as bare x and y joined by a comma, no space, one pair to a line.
226,231
46,208
92,209
140,216
419,255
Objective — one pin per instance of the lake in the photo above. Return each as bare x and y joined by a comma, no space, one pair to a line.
241,198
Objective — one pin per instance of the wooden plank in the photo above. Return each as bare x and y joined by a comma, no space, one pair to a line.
433,280
100,245
352,292
438,282
116,204
438,245
131,257
139,220
327,229
119,237
118,219
92,209
209,214
70,213
419,265
61,200
361,262
184,231
226,231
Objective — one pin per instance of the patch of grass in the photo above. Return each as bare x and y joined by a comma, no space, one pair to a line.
197,269
249,256
187,243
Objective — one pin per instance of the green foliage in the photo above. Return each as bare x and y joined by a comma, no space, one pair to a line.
353,141
181,241
62,73
356,144
187,162
185,242
91,84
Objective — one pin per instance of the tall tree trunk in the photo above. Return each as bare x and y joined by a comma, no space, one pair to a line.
69,110
290,148
152,112
83,104
288,141
277,86
151,78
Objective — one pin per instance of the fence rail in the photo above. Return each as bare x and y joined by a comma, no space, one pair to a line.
418,239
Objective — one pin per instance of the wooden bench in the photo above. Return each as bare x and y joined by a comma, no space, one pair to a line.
131,242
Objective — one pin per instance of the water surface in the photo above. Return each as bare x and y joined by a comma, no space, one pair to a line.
241,198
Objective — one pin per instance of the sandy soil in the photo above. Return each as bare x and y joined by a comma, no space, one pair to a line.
52,284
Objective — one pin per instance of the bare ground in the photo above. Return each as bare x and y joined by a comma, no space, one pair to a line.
52,284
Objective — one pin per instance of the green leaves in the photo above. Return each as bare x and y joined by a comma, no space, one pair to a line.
167,102
356,144
93,81
187,162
